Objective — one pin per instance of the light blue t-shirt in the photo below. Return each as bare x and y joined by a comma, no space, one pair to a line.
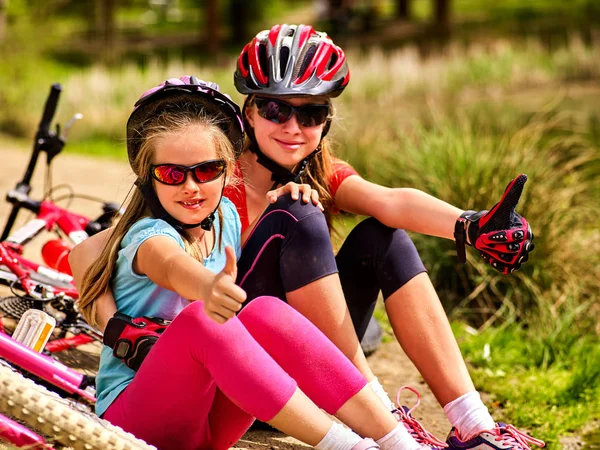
137,296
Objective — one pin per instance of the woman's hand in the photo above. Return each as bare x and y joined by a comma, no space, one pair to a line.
295,189
503,237
224,298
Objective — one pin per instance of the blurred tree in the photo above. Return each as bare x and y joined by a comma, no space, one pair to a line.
106,30
242,15
442,13
403,9
3,5
212,23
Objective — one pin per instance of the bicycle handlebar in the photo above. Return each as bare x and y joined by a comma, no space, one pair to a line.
21,200
46,141
49,109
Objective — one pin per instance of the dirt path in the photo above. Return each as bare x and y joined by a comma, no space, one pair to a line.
111,180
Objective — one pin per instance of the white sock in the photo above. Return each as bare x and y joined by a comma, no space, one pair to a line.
398,439
380,392
338,438
469,415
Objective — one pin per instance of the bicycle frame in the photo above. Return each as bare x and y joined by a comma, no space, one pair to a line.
40,282
47,369
49,217
15,433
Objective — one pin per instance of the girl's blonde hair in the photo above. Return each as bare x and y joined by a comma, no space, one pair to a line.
172,115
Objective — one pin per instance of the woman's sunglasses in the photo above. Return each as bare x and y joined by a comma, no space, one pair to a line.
278,111
175,174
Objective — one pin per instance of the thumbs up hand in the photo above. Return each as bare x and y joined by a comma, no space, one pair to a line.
224,297
503,238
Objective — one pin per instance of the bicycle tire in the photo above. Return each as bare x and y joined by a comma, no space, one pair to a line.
60,420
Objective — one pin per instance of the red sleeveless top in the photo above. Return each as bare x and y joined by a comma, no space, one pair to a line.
237,194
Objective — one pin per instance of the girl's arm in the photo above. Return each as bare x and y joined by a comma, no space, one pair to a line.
405,208
162,260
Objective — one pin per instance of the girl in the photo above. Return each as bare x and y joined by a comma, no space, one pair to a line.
212,372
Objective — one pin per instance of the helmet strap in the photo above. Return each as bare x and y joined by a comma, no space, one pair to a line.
279,174
159,212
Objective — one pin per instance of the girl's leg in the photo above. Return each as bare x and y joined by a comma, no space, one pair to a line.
170,401
327,377
289,255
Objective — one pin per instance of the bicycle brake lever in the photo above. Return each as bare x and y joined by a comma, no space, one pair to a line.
76,117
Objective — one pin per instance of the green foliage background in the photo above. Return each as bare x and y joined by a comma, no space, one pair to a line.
458,124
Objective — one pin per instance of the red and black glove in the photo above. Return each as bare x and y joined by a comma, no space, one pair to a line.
131,339
503,238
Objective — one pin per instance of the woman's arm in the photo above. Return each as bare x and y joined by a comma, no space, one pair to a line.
405,208
80,258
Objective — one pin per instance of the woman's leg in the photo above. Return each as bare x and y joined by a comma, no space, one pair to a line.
376,258
170,401
289,255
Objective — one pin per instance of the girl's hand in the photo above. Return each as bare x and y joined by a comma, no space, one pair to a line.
224,297
295,189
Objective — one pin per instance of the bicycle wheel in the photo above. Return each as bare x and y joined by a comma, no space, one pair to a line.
64,421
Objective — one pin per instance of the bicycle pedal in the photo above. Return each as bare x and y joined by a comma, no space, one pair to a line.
34,329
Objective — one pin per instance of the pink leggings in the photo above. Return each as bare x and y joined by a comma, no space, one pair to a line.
203,384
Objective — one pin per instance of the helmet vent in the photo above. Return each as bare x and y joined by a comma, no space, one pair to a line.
262,58
245,62
284,56
306,60
332,60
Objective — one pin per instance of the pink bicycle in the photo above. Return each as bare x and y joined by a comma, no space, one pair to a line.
34,388
47,287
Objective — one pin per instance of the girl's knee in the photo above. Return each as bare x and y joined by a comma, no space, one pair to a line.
262,308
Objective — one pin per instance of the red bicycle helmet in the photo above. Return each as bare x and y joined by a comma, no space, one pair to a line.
292,60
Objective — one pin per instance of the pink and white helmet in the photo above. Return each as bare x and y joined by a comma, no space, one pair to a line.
205,92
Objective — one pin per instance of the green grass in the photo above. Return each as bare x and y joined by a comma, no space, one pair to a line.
548,383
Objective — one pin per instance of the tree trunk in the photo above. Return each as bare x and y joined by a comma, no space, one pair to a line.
442,13
108,27
3,6
212,37
403,9
239,16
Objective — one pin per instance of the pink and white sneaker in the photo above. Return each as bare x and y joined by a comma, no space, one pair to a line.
414,427
502,437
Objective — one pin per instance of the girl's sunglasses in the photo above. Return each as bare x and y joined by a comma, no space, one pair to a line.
278,111
175,174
